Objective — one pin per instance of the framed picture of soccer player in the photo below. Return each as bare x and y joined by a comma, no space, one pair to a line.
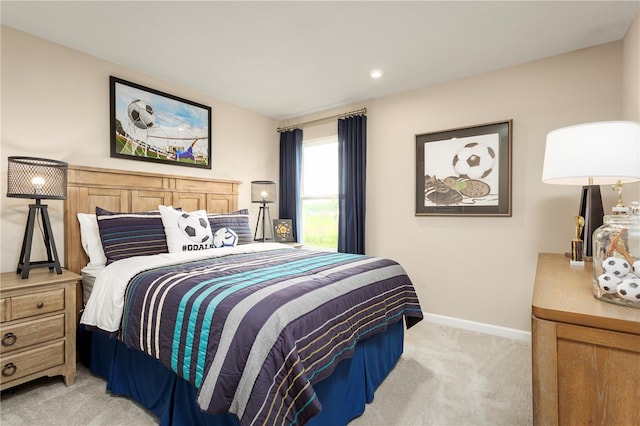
464,171
150,125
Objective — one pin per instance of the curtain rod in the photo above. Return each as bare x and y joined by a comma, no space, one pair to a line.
343,115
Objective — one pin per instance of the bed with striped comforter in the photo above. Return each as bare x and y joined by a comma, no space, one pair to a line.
255,329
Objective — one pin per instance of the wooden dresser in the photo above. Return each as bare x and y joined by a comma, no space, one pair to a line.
37,326
586,353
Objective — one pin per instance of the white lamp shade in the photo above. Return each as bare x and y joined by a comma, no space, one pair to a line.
599,153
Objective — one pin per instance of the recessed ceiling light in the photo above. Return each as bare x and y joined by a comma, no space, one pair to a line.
376,73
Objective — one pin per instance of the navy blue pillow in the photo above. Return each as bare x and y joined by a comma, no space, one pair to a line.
130,234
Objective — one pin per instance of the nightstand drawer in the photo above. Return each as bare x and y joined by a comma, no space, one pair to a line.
31,361
37,303
29,333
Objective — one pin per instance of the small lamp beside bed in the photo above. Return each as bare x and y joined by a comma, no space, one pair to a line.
264,192
39,179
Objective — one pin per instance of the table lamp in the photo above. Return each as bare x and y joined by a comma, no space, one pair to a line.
593,154
264,192
39,179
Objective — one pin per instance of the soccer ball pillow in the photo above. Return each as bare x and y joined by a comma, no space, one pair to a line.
225,237
186,231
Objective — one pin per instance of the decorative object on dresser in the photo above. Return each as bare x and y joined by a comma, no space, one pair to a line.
585,353
151,125
464,171
263,192
593,154
39,179
616,257
38,327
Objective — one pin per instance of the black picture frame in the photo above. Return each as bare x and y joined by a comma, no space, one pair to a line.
465,171
282,230
150,125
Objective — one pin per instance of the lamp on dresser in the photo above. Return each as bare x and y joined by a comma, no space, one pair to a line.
38,179
263,192
593,154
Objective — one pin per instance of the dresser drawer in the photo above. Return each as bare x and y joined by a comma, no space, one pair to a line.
3,310
37,303
27,333
15,366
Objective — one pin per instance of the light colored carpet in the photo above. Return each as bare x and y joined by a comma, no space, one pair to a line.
446,376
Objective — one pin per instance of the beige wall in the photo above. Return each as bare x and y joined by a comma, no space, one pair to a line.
482,269
55,104
631,71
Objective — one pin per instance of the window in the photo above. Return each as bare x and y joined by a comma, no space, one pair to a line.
319,193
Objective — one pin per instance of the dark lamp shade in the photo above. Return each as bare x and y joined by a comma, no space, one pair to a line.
38,178
263,191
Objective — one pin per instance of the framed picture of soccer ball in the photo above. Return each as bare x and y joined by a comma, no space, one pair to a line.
150,125
464,171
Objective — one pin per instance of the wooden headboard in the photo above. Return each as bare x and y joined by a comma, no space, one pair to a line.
130,191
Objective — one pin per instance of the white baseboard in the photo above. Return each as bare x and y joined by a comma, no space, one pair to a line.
480,327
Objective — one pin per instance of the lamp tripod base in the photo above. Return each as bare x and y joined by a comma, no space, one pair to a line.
53,262
263,214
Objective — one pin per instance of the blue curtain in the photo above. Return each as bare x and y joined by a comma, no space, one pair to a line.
290,165
352,173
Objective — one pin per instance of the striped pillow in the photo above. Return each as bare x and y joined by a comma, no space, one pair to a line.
126,235
237,221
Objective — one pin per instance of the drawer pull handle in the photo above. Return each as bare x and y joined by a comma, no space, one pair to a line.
40,305
9,369
9,339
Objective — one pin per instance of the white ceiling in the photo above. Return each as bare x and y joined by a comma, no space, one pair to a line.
290,58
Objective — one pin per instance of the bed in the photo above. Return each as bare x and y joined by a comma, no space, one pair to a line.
252,334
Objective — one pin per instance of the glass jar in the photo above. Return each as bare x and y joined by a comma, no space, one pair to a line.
616,258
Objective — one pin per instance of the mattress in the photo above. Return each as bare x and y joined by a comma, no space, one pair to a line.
89,274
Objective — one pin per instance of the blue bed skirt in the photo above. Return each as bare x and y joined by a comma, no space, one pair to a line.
134,374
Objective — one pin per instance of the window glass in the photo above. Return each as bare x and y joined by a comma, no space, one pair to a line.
319,193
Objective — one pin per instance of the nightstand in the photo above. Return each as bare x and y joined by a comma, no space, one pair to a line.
37,326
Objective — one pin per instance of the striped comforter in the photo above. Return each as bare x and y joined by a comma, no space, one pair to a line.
254,331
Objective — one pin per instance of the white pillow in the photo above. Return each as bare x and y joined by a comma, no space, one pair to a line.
90,238
186,231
